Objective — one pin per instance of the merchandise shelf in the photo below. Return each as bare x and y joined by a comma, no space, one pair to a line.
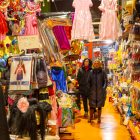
130,126
133,131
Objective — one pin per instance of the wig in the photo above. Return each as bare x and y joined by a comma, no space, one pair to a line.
46,108
13,112
26,122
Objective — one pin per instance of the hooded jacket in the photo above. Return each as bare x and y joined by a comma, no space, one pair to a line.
82,78
97,82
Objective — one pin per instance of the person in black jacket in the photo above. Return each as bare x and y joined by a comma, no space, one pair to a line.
5,78
82,78
97,82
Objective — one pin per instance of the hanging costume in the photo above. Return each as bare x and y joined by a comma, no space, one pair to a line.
60,76
82,26
19,70
3,27
110,27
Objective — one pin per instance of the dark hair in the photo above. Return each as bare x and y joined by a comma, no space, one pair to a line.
7,65
90,62
26,122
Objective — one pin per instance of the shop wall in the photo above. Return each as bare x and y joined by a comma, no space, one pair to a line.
46,8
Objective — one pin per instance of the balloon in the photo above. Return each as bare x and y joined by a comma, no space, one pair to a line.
2,63
1,69
5,57
75,47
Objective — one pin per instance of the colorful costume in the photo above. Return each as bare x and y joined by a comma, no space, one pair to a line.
31,24
60,76
3,27
19,70
82,26
110,27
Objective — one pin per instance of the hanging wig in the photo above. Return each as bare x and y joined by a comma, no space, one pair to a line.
26,122
13,112
46,107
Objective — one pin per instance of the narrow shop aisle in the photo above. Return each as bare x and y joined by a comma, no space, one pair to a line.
109,129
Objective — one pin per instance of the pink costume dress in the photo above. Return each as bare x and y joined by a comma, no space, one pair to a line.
82,26
110,27
31,24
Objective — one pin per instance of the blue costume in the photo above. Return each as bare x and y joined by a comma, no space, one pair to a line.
60,76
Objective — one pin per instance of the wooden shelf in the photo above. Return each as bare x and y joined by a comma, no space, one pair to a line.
133,131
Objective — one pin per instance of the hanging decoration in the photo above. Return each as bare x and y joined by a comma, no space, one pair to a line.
75,47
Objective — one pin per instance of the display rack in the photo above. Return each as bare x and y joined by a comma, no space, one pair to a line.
130,126
133,131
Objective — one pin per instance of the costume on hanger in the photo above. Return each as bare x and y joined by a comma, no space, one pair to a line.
31,24
3,27
60,76
61,37
82,26
110,27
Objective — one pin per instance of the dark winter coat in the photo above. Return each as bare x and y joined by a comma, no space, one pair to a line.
5,78
82,78
97,82
4,131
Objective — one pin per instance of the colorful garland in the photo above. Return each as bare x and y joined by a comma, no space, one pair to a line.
13,5
32,10
6,5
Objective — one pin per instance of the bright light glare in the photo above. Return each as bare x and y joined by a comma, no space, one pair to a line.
108,41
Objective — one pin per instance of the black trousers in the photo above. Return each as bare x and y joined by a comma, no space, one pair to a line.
85,98
78,100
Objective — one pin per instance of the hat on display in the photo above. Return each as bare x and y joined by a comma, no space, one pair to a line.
71,57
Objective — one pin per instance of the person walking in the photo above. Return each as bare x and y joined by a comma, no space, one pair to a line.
82,77
97,83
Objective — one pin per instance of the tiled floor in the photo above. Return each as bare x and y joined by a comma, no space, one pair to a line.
109,129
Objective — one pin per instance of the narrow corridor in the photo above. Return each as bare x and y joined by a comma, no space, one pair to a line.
109,129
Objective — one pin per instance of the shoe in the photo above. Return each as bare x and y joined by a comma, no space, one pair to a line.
95,115
89,121
86,114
